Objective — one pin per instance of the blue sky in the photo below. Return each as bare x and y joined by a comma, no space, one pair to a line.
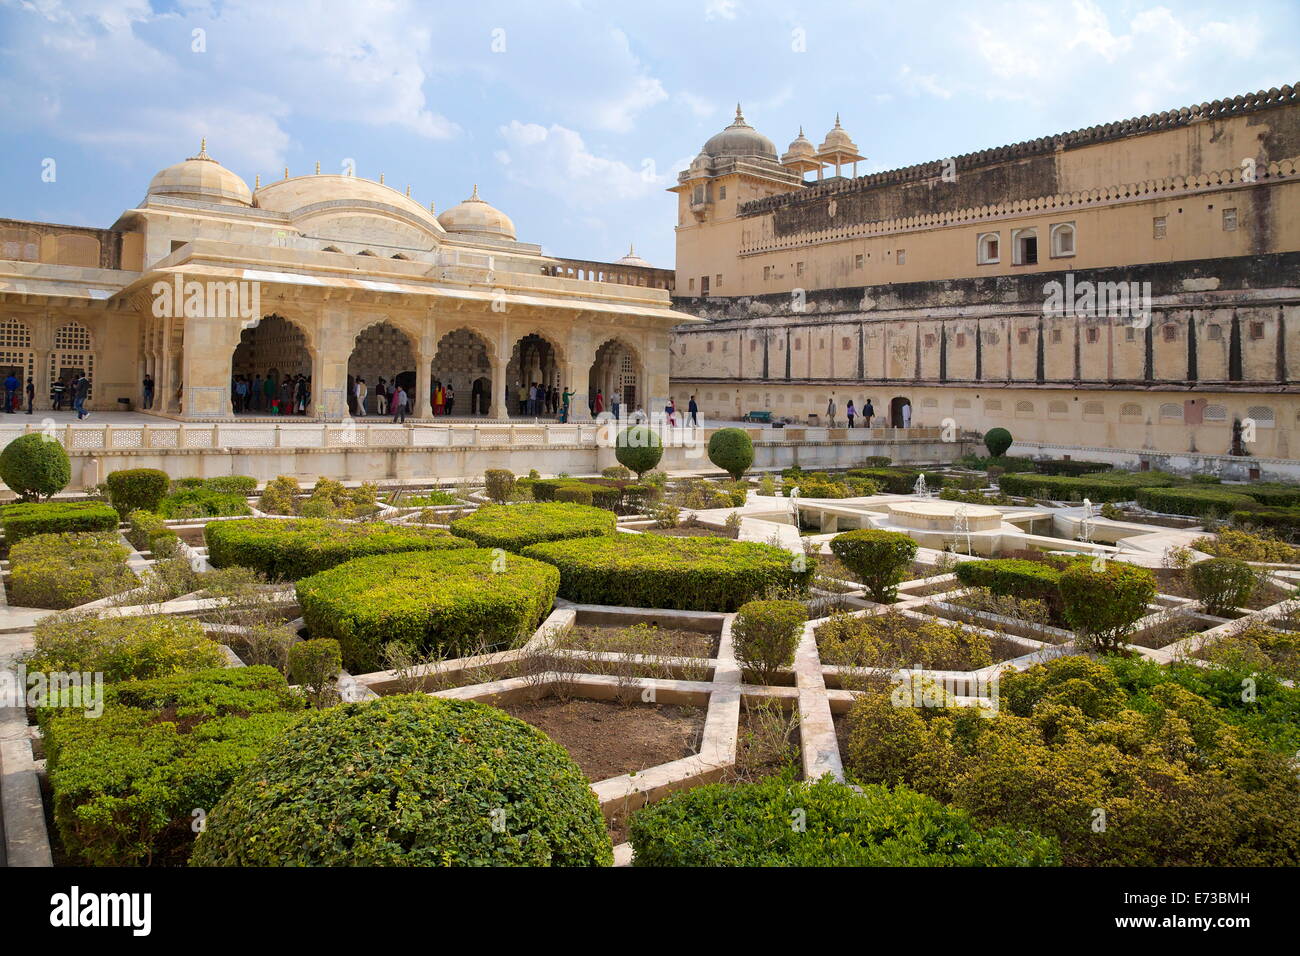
574,116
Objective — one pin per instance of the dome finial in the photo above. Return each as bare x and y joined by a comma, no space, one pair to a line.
203,151
318,167
631,249
474,194
837,119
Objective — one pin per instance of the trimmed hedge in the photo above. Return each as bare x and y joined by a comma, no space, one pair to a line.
1015,577
443,601
242,485
292,548
1286,521
605,496
657,571
1222,584
35,467
136,648
25,519
148,532
126,784
137,489
766,635
64,570
204,503
411,781
515,527
878,558
1104,606
1073,467
896,481
1107,486
1204,501
753,824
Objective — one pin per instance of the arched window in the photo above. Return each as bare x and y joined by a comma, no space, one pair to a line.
1024,408
1062,239
993,405
16,353
1131,410
1024,247
1094,409
988,248
1169,412
73,353
1261,415
1058,408
1215,413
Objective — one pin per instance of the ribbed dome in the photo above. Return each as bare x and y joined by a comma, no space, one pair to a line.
203,178
801,147
740,139
632,259
476,217
838,140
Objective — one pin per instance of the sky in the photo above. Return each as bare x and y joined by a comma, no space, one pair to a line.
574,116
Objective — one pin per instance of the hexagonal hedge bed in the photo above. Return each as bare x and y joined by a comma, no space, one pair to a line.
445,601
409,781
292,548
514,527
27,518
692,574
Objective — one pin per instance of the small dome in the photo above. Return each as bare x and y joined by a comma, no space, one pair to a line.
203,178
632,259
740,139
801,147
838,140
476,217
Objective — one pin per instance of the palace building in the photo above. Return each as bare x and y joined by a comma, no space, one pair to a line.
324,279
1129,286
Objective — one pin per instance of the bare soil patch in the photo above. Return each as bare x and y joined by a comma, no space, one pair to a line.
649,639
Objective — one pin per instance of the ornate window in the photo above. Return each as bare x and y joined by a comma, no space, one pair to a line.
1062,240
988,248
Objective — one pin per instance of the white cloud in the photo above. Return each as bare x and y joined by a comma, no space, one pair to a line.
557,160
721,9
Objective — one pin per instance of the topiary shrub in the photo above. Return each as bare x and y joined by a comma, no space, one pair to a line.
409,780
765,635
732,450
125,785
657,571
753,824
280,496
515,527
437,601
314,666
136,648
1015,577
639,448
897,481
498,483
137,489
1222,584
602,495
64,570
288,549
54,517
204,503
35,467
1104,606
1197,500
997,441
879,559
1282,521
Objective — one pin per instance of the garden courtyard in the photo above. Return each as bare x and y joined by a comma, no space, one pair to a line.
994,662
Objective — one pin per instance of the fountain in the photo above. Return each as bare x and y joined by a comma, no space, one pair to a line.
794,507
961,524
1086,522
919,488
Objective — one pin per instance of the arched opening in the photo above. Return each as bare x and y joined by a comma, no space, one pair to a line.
617,378
383,356
17,359
72,356
900,412
461,364
534,366
270,370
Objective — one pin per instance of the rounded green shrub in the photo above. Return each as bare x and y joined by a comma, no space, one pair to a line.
658,571
1103,606
148,532
432,601
137,489
498,483
753,824
408,781
638,447
64,570
27,518
1016,577
574,495
136,648
35,467
878,558
292,548
204,503
514,527
1222,584
765,635
242,485
997,441
732,450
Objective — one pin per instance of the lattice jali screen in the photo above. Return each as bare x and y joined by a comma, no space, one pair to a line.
72,349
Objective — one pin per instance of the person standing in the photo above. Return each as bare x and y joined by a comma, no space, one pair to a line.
693,413
381,397
399,405
31,395
148,391
599,405
241,394
615,400
670,412
362,391
57,392
907,413
80,392
868,413
448,399
11,388
850,412
300,395
830,411
564,405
